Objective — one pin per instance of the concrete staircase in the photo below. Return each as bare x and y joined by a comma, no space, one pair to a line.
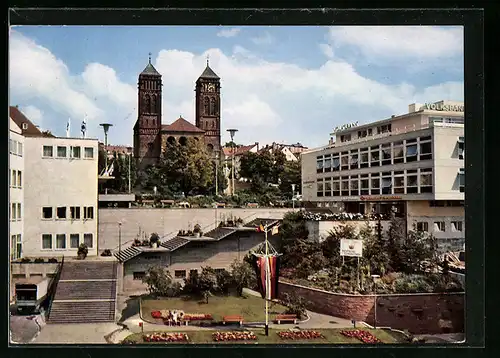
86,293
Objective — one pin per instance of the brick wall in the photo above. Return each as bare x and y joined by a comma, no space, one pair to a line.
418,313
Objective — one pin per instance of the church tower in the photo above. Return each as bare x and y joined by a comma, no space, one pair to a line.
208,108
147,136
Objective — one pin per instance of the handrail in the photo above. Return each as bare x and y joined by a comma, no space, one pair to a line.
54,288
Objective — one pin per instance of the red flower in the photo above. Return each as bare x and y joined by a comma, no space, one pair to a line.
233,336
363,336
300,335
166,337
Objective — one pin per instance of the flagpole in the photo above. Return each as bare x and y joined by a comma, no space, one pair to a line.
267,284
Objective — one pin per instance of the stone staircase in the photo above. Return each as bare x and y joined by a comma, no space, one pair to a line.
86,293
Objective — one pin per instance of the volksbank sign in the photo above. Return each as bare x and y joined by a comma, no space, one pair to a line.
443,107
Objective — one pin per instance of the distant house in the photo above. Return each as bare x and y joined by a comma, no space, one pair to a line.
291,151
118,149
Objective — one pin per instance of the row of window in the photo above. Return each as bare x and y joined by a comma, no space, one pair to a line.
61,212
406,151
414,181
15,247
64,152
177,273
386,128
16,179
440,226
15,147
446,120
61,241
15,212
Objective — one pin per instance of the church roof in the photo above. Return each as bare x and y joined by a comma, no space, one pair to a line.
209,73
181,125
150,70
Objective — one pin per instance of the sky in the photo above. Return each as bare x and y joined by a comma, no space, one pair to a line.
278,84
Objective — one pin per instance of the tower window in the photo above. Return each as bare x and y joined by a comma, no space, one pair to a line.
212,106
206,102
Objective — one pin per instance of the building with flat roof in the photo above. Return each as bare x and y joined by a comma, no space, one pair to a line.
411,163
16,185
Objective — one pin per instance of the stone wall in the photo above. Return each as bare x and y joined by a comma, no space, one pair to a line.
418,313
166,221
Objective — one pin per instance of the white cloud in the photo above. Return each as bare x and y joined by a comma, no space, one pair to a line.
400,41
264,39
34,114
232,32
267,101
327,50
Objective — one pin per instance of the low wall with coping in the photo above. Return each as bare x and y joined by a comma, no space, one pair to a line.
419,313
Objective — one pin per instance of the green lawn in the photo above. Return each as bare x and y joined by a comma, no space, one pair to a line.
252,308
332,336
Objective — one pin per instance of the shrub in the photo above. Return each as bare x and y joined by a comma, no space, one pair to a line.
52,260
25,260
197,229
155,238
39,260
106,252
160,283
412,284
295,304
224,281
82,252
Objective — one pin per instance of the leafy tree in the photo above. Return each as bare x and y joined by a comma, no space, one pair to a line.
294,243
395,235
331,245
82,251
312,262
160,282
291,174
375,255
243,275
418,247
295,304
224,281
207,282
192,284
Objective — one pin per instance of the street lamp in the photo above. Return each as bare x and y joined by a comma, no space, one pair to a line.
293,196
129,181
216,174
231,133
119,238
106,127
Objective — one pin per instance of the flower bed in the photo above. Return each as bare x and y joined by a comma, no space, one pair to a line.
165,314
233,336
166,337
156,314
197,317
300,335
363,336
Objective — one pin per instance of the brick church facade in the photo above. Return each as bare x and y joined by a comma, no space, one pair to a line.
151,136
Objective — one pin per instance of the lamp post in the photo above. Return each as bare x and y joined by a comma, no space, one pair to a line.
119,238
106,127
293,196
231,133
216,175
129,181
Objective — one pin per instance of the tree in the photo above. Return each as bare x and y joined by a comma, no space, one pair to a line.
416,248
294,243
291,174
207,282
160,282
295,304
331,245
224,281
375,254
243,276
395,235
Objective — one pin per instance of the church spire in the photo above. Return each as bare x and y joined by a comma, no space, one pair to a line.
150,70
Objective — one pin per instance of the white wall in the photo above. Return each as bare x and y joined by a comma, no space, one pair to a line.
319,230
59,182
16,189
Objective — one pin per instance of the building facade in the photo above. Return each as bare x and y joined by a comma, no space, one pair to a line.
151,136
61,192
16,189
412,163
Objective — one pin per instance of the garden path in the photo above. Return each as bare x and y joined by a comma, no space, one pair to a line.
88,333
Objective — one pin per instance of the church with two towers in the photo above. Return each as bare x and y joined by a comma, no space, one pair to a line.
151,136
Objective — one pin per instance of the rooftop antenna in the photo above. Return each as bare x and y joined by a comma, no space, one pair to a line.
150,58
208,57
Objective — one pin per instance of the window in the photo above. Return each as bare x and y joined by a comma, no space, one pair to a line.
426,180
345,138
13,211
47,241
19,216
62,152
411,152
74,241
180,273
425,150
25,126
375,156
88,239
61,212
364,158
399,184
74,212
461,147
344,161
345,185
88,212
19,179
20,149
19,246
411,183
461,180
47,212
75,152
139,275
386,185
13,181
319,165
354,161
423,226
362,134
435,119
193,272
354,186
456,226
48,151
319,188
365,187
398,153
60,241
384,129
336,187
89,153
439,226
335,162
13,247
328,163
375,187
328,187
386,154
12,146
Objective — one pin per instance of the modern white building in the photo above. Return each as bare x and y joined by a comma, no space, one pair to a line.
413,163
59,193
16,186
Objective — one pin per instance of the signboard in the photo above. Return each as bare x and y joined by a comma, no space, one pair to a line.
443,107
344,127
380,198
352,248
